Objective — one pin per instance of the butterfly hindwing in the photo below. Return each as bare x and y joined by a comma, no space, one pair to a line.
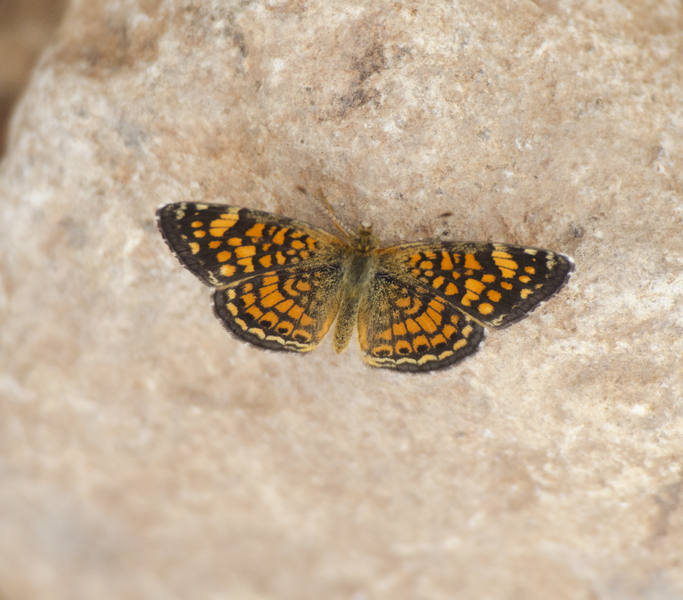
221,244
280,310
409,328
495,284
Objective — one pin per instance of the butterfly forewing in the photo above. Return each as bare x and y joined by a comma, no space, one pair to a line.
496,284
221,244
410,328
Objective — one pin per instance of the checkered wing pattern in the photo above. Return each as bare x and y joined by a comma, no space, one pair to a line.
410,328
286,310
495,284
277,280
222,244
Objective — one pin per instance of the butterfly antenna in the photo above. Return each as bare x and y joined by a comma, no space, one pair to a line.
337,224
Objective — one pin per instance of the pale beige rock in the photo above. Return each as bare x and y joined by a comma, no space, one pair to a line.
144,453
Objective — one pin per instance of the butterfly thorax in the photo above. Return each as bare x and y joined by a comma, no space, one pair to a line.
365,241
358,270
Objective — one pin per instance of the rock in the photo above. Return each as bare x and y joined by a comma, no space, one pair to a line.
145,453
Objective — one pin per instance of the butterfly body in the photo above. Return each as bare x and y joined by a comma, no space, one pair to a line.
280,284
358,267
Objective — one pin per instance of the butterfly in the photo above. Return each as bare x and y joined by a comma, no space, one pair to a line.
280,284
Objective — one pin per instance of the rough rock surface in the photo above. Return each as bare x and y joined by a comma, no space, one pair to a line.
26,27
144,453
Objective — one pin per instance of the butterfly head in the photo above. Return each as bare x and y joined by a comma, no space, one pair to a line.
364,240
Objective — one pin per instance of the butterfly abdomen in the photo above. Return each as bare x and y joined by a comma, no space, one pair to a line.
359,269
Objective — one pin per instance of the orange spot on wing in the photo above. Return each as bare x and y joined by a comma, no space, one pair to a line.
284,327
435,316
247,264
254,311
248,299
296,312
485,308
420,343
471,262
226,221
438,340
403,347
468,297
267,289
256,230
412,326
272,299
446,262
399,329
288,288
426,323
415,307
475,286
448,331
506,263
383,351
244,251
283,307
270,318
279,237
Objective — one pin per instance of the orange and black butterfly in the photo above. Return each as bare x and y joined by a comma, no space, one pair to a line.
280,284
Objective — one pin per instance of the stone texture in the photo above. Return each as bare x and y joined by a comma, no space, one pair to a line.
26,27
144,453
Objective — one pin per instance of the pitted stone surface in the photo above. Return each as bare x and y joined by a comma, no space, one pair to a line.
146,454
